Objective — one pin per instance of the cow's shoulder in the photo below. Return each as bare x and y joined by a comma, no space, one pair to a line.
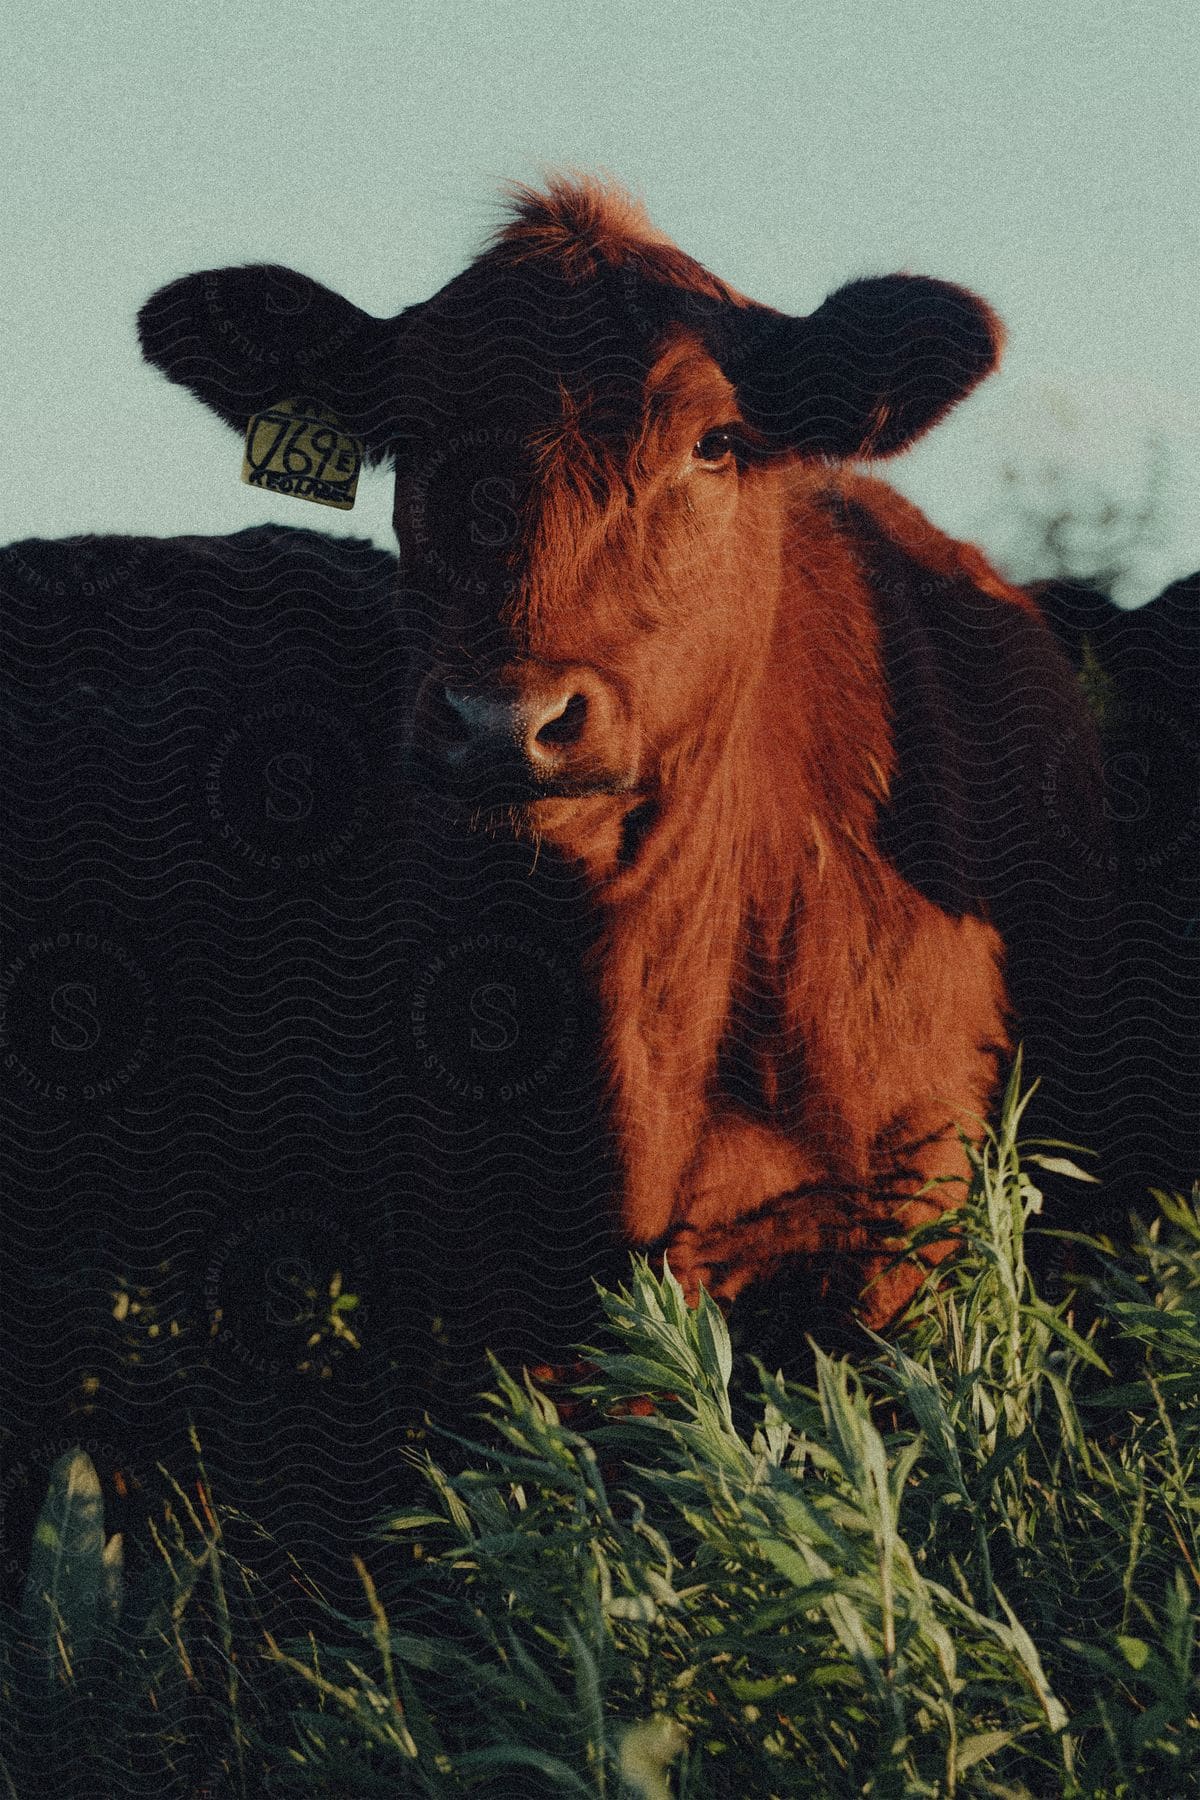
873,509
996,784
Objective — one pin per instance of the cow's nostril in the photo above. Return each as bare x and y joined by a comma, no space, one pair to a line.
566,727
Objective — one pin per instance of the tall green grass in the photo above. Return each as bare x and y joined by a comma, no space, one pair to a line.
966,1562
968,1566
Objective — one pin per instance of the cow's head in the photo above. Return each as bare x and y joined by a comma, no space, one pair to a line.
590,435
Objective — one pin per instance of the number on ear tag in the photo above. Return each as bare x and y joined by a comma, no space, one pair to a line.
298,448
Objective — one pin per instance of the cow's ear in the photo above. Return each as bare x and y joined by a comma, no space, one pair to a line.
875,366
244,339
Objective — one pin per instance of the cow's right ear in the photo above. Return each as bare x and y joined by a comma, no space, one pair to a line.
245,339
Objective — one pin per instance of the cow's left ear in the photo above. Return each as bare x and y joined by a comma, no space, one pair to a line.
244,339
875,366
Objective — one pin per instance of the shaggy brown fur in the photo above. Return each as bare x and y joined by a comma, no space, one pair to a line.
794,1022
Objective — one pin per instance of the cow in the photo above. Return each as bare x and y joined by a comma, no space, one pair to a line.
1141,670
199,931
808,757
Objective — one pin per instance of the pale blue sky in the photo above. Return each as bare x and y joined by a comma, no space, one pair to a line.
1045,152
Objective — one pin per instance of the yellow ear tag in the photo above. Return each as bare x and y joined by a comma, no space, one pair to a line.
299,448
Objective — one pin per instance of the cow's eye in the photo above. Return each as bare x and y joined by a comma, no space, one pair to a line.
714,447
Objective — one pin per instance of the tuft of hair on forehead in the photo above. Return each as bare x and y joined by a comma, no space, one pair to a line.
583,221
585,212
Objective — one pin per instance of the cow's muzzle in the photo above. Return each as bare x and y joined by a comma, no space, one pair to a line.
530,733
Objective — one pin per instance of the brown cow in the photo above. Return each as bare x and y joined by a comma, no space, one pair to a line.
779,720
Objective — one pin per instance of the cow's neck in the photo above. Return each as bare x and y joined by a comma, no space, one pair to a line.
780,787
773,805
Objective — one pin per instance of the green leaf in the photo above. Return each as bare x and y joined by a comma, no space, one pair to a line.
1061,1165
1047,1316
1136,1651
66,1562
1137,1396
1007,1451
509,1756
638,1375
973,1749
647,1749
639,1609
750,1691
712,1336
414,1520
